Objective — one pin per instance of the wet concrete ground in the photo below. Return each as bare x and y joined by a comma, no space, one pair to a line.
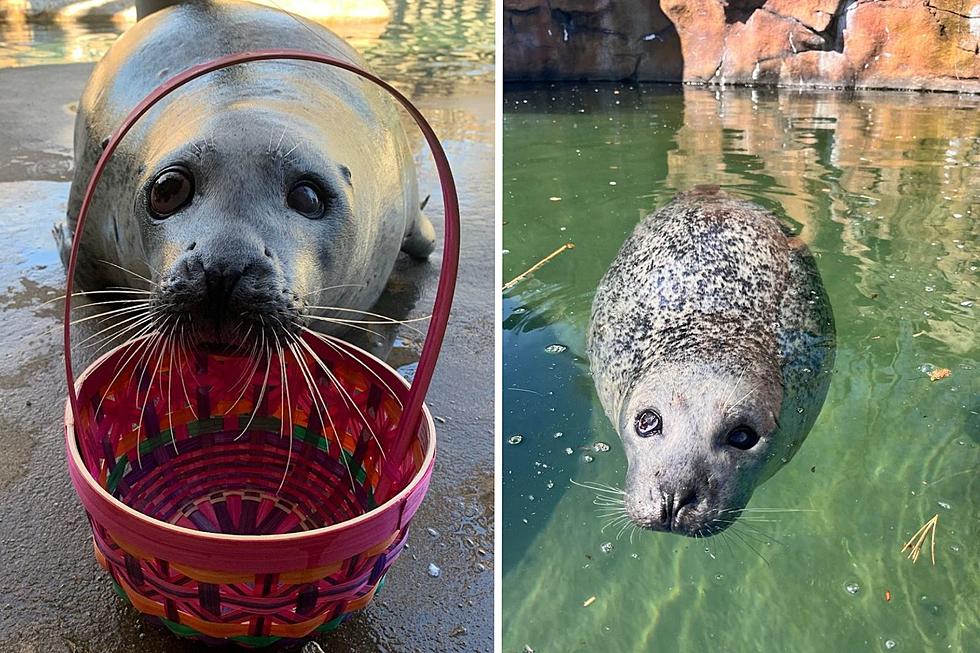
53,595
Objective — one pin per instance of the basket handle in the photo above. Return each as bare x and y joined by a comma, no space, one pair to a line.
450,258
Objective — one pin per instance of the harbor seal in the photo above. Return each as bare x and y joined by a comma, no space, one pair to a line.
711,344
252,195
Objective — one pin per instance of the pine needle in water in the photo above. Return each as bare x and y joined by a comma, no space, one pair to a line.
914,545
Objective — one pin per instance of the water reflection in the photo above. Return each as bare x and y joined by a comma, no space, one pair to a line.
435,44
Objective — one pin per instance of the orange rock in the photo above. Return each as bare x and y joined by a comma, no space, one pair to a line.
927,44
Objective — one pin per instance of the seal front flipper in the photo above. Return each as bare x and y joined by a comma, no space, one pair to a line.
62,240
420,239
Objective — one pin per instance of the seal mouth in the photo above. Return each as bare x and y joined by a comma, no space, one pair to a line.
687,517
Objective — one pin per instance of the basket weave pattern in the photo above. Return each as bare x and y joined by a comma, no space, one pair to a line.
181,445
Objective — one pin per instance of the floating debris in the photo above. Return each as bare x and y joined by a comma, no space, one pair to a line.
558,434
939,373
569,451
588,458
915,543
888,596
852,588
537,266
589,601
555,348
890,644
606,547
600,447
434,571
515,439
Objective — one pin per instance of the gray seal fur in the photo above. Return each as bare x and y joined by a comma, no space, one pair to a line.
245,133
715,318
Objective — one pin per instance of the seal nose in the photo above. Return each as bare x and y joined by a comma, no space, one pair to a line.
671,504
220,282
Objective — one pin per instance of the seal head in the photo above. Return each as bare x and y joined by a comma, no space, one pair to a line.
711,342
260,199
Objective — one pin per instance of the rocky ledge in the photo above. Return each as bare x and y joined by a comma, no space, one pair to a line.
903,44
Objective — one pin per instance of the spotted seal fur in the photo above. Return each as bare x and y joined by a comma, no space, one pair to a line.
711,342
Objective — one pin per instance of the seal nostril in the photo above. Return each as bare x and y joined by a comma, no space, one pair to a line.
190,248
687,499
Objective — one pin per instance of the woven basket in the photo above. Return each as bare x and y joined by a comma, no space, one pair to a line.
229,512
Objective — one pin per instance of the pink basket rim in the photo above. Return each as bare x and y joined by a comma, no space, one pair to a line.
93,494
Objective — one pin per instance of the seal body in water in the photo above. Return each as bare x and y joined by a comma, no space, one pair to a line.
252,195
711,344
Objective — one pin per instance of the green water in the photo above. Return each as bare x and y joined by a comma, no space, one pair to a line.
885,188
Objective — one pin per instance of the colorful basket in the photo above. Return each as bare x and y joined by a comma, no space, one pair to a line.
253,502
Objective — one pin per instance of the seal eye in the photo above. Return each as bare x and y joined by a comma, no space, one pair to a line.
305,198
743,438
648,423
170,192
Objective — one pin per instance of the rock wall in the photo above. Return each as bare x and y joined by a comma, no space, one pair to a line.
914,44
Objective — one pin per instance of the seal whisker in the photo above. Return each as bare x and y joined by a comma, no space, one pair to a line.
330,342
264,347
139,319
324,410
606,504
597,487
128,271
350,322
745,396
340,323
286,155
142,300
247,376
734,389
623,529
613,523
343,392
170,400
182,353
744,510
741,538
164,340
281,136
343,285
285,406
137,344
386,318
85,293
105,315
144,363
